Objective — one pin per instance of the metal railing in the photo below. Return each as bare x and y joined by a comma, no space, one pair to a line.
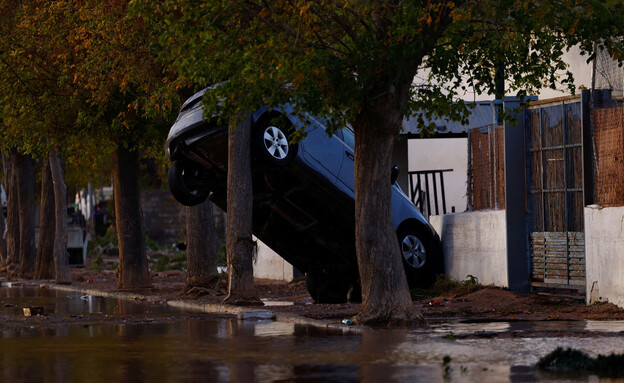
424,187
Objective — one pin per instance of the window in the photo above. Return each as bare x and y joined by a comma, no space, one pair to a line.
349,138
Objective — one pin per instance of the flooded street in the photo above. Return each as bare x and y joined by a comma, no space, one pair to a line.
86,338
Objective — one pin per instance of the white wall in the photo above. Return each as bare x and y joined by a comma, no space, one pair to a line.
474,243
577,65
604,254
580,69
443,153
269,265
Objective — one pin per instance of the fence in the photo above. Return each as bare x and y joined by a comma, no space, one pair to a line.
486,175
554,136
486,168
555,180
608,127
424,188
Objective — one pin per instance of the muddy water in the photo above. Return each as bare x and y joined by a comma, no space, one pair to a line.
91,339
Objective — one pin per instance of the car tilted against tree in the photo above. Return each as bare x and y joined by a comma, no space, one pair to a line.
303,195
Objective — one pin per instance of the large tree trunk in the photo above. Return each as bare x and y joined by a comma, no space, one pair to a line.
61,259
385,294
238,236
27,215
133,269
44,265
3,241
12,221
3,245
201,247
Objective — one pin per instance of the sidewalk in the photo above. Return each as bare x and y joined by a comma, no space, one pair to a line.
291,302
241,312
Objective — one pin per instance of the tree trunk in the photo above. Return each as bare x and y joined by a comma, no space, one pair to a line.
3,244
133,269
12,221
385,294
44,265
3,239
61,259
27,215
238,241
201,247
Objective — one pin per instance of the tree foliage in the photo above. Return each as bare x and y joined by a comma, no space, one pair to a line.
355,62
111,73
333,57
77,77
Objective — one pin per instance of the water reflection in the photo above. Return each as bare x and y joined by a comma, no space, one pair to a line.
201,348
478,327
604,326
12,300
469,328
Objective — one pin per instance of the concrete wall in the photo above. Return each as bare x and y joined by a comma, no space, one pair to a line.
165,219
443,153
269,265
474,243
162,216
604,248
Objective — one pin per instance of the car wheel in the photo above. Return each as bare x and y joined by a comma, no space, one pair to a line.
420,258
329,288
187,184
272,141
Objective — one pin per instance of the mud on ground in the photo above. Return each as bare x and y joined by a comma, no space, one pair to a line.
488,302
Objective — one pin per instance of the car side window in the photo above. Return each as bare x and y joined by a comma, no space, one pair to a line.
348,137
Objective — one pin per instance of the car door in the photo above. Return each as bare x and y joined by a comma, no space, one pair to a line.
346,175
323,153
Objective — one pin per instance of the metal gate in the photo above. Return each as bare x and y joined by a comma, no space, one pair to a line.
554,134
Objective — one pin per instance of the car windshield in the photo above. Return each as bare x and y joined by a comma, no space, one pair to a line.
348,137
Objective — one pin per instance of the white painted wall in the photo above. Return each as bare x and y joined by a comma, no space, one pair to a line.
443,153
604,250
269,265
577,65
580,69
474,243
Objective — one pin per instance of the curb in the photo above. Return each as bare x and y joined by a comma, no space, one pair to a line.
241,312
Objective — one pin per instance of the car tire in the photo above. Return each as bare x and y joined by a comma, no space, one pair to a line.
272,141
330,288
186,183
422,260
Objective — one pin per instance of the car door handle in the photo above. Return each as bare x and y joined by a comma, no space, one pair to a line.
350,155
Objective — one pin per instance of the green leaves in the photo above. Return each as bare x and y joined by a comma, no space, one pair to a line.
125,67
76,73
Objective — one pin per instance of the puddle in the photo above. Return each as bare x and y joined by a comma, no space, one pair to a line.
56,302
77,341
479,328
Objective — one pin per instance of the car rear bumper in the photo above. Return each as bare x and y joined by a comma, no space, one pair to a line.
190,135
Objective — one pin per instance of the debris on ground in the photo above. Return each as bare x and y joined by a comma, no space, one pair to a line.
575,361
462,300
33,311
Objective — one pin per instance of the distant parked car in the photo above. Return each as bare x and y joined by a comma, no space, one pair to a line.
303,196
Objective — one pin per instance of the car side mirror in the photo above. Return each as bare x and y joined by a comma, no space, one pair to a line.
394,174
